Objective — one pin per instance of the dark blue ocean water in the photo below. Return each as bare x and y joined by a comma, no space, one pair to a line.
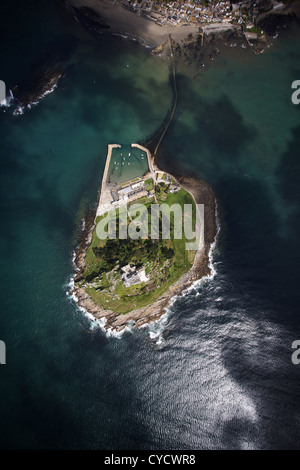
221,376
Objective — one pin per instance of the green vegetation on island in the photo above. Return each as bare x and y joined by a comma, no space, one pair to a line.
125,274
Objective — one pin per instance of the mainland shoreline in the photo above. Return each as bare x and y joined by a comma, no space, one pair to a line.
117,19
193,44
111,16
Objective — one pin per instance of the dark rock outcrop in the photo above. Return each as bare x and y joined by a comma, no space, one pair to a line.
272,24
90,19
45,73
31,91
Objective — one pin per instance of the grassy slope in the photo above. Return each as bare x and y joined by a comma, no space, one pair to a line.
123,299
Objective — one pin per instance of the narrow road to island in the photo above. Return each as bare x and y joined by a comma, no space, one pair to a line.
174,103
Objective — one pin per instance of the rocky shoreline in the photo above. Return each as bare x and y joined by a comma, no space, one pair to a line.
191,44
199,42
45,82
44,75
202,194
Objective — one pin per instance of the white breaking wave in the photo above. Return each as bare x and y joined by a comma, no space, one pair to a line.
135,38
8,101
213,271
95,323
20,109
155,328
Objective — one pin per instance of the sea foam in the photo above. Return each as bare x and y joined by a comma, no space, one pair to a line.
155,328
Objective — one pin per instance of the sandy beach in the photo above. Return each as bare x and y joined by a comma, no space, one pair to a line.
124,22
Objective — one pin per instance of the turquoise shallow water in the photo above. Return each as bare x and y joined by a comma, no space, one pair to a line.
222,376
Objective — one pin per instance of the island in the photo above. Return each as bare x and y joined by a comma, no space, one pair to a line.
122,280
